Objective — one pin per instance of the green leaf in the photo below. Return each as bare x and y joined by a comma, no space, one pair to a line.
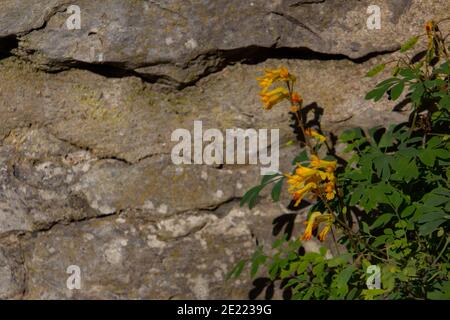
436,197
268,177
351,134
377,93
257,260
237,270
408,211
380,240
432,216
318,268
417,93
375,70
405,169
408,73
365,227
445,102
344,276
387,81
395,199
371,294
373,132
387,140
277,243
302,266
276,191
409,44
429,227
356,195
434,142
301,157
395,71
251,196
441,292
378,193
381,220
381,164
397,90
427,156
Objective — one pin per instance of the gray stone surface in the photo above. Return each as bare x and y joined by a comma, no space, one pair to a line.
85,172
180,41
129,257
12,270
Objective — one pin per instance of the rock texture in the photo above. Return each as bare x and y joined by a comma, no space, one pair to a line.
86,116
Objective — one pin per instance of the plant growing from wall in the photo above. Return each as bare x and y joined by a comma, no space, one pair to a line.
387,206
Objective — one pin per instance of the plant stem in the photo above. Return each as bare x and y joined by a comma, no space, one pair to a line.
442,251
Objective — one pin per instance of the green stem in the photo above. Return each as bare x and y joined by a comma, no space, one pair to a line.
442,251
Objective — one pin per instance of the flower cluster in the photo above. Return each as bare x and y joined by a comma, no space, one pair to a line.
319,180
429,28
271,97
314,134
314,221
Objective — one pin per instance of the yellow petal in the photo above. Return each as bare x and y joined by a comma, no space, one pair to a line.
310,226
323,234
313,133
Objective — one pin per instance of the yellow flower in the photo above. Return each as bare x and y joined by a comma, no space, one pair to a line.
323,234
330,190
296,98
313,133
306,172
273,75
317,163
274,97
306,180
284,73
300,193
429,26
265,83
310,226
294,109
315,219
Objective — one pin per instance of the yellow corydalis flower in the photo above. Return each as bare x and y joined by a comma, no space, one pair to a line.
314,221
320,180
318,163
330,167
274,97
304,180
273,75
305,172
297,98
313,133
295,109
300,193
330,190
311,225
323,234
429,27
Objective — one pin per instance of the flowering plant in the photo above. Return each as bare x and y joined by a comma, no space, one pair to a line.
387,207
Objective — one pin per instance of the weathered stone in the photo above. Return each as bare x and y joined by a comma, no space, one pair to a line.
128,257
130,120
85,171
180,41
12,272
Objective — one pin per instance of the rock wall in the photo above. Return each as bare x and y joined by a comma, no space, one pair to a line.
86,116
